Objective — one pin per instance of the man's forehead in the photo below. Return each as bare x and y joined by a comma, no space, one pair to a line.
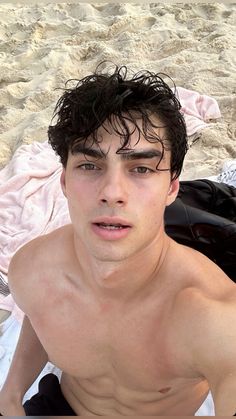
107,138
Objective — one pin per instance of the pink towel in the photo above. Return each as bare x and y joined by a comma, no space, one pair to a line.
31,200
198,109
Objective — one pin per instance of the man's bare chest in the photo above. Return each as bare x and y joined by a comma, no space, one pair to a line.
87,342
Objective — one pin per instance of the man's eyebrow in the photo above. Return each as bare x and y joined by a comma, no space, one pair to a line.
91,152
142,154
124,154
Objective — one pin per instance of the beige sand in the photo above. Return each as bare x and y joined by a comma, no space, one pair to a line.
43,46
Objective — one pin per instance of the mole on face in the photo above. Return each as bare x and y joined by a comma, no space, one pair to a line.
164,390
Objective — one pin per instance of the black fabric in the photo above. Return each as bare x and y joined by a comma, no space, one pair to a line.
204,217
213,197
49,400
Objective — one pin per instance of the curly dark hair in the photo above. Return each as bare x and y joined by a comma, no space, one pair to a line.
119,102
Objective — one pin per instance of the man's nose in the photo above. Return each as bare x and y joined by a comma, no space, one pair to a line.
113,190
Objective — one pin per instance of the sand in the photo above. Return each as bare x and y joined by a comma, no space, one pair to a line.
42,46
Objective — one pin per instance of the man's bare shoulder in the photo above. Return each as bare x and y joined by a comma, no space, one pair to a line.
34,261
200,276
43,247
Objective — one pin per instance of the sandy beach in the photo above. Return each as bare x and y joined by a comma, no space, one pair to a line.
42,46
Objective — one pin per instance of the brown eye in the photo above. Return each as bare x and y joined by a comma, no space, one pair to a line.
88,166
142,170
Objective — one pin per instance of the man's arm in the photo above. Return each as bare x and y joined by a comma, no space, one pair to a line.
222,375
224,395
30,357
218,361
28,361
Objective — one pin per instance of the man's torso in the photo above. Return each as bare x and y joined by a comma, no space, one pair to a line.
119,357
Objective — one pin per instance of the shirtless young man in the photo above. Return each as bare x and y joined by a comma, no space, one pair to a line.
139,324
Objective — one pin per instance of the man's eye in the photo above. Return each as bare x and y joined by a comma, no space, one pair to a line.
87,166
142,170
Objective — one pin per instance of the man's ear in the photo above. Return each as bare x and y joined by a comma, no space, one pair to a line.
63,181
173,192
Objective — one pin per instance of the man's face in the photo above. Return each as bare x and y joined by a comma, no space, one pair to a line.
117,201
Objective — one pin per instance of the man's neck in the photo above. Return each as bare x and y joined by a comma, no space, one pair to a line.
125,278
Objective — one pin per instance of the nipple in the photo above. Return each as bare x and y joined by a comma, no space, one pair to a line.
164,390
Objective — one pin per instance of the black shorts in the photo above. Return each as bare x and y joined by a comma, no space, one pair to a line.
49,400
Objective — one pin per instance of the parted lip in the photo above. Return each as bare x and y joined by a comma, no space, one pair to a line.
112,221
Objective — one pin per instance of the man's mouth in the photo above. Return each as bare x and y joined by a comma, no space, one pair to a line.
111,226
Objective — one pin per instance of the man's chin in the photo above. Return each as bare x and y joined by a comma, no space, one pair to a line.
110,252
